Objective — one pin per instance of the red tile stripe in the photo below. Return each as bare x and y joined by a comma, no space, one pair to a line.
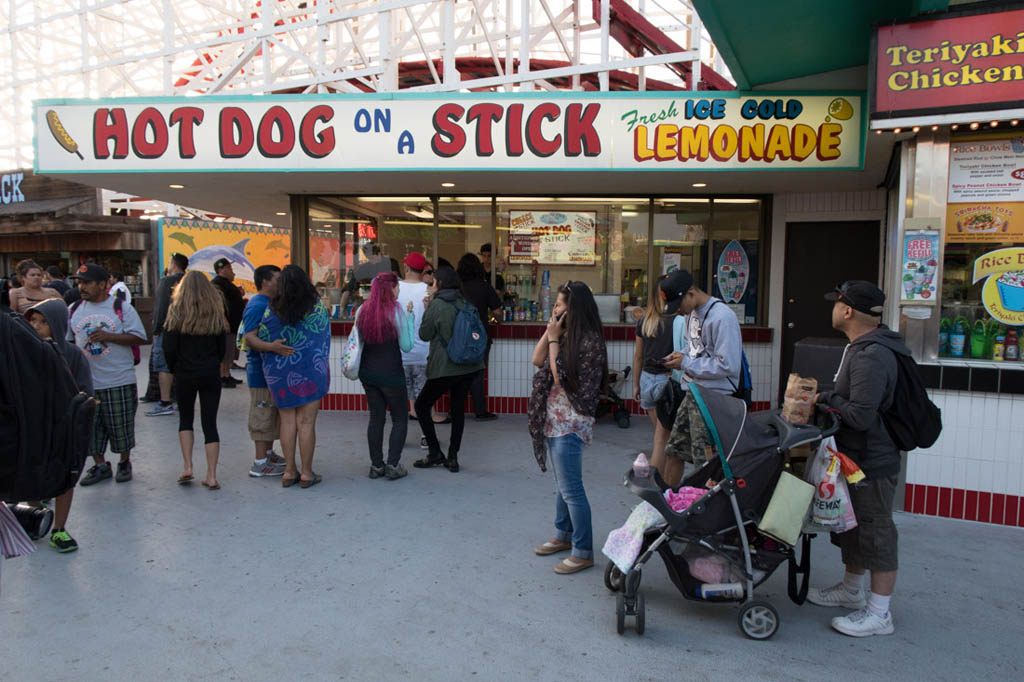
971,505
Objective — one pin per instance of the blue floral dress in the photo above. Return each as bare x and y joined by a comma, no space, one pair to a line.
304,376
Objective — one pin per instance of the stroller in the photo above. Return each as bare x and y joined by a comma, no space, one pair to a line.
720,527
610,400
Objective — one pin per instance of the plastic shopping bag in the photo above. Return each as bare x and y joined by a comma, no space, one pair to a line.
352,354
831,510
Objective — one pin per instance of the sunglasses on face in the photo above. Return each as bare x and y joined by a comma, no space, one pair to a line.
428,272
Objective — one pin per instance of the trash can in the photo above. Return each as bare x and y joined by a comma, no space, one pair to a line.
819,357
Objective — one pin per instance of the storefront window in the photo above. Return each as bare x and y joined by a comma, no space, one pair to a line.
464,226
680,236
982,294
735,255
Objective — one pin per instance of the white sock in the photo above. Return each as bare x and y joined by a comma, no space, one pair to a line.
878,605
270,452
853,582
261,462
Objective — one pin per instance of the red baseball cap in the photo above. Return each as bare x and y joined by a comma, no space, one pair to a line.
416,261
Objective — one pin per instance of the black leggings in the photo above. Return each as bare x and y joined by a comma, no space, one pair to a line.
208,389
379,399
434,389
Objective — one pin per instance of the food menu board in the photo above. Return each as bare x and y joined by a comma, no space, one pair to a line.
552,237
985,202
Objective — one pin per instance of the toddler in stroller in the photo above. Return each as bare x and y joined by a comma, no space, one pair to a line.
712,549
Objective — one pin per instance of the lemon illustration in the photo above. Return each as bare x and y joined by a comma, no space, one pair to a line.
840,109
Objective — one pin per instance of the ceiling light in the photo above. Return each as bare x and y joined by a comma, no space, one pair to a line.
974,126
176,186
327,225
420,212
916,129
897,130
954,126
994,123
878,132
447,184
281,213
629,214
1014,122
700,184
934,128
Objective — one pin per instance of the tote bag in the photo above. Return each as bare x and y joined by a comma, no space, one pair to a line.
352,354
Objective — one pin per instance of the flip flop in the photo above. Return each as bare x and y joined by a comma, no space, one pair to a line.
312,482
446,420
183,479
289,482
573,565
552,548
215,486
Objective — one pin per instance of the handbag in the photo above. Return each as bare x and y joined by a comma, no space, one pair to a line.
352,354
668,404
784,517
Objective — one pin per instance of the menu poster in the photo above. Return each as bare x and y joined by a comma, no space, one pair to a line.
985,201
552,237
920,263
733,272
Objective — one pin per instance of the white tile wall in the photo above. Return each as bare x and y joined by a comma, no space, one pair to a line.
981,446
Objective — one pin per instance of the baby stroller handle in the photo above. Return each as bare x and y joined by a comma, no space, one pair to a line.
834,420
793,435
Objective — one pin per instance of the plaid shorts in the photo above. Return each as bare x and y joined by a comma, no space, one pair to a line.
115,420
689,436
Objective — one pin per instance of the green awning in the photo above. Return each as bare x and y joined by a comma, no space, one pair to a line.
765,42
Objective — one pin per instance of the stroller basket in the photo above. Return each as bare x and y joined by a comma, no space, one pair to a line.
722,523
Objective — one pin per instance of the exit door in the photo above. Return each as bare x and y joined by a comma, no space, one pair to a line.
820,257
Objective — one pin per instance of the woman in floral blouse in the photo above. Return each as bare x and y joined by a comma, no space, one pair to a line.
573,370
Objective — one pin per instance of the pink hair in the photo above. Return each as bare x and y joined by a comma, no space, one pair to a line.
377,316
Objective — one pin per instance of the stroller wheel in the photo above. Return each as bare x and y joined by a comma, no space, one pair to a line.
613,578
759,620
620,614
622,419
639,613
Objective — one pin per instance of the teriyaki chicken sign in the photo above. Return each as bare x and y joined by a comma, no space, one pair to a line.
542,131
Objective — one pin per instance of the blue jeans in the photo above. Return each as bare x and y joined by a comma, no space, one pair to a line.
157,351
572,510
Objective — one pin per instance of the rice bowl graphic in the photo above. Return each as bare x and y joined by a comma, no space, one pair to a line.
982,222
1011,290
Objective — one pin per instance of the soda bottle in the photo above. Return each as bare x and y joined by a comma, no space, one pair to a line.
1012,351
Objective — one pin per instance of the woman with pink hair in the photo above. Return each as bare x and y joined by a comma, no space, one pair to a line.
385,330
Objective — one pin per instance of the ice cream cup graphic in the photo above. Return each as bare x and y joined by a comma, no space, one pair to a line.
1011,290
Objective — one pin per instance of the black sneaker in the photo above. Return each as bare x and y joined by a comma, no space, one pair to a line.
377,472
227,382
486,417
61,541
97,473
124,472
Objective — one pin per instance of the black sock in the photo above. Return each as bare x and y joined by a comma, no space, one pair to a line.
164,404
56,530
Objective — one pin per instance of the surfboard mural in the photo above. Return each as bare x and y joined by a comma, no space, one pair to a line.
733,272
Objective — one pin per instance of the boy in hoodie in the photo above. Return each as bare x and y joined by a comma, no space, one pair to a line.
864,389
50,320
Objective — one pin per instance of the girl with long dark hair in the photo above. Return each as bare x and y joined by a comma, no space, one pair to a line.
385,330
297,382
573,369
194,338
443,374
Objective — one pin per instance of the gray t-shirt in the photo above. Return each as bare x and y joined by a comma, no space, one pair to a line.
112,363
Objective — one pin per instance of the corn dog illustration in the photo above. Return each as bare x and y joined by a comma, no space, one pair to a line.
60,134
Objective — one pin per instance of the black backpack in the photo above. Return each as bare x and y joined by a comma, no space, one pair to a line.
45,421
913,421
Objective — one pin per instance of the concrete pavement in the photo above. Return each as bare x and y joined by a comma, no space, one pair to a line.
433,577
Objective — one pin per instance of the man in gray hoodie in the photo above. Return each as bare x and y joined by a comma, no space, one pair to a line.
864,389
707,350
50,320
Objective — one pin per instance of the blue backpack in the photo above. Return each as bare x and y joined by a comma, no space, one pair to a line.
468,343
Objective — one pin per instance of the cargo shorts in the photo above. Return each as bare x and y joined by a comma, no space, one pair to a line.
873,544
689,436
264,421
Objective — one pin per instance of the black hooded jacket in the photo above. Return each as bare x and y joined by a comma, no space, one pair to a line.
56,315
864,389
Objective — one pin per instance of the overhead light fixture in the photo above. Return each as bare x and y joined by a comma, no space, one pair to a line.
328,225
916,129
281,213
878,132
629,214
994,123
1014,122
897,130
176,186
974,126
420,212
447,184
934,128
700,184
954,126
467,226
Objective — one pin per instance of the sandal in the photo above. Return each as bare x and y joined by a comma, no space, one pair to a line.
183,479
550,547
215,486
288,482
573,564
303,483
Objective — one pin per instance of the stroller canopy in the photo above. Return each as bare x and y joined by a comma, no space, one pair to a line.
734,431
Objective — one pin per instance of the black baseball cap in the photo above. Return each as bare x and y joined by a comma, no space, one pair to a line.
674,286
220,263
862,296
90,272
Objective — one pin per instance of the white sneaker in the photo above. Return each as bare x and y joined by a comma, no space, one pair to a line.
837,595
864,623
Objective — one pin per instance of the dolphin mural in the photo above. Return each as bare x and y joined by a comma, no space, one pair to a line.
183,238
204,258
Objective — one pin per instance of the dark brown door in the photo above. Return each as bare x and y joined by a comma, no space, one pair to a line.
819,257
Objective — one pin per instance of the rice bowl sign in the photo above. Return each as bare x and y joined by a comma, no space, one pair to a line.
1003,290
536,131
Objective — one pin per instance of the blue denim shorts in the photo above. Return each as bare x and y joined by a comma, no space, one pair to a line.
651,388
157,351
